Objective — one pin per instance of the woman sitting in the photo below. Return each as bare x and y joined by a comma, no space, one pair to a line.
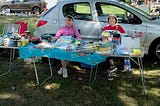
68,30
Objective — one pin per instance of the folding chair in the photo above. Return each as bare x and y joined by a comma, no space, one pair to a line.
23,27
10,28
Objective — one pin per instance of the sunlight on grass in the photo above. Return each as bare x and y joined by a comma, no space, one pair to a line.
155,91
28,85
53,86
77,68
153,72
127,101
13,96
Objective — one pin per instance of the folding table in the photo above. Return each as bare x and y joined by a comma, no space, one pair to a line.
31,52
90,59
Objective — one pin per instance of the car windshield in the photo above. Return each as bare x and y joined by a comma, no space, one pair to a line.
146,15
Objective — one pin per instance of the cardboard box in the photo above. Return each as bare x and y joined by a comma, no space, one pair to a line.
129,42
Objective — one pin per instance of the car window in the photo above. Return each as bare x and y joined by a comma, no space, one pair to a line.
16,0
26,0
124,16
80,11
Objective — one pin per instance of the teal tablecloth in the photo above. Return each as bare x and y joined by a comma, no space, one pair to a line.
90,59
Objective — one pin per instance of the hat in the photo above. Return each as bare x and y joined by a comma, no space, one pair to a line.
112,15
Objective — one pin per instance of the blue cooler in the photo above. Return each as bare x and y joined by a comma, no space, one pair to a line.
83,65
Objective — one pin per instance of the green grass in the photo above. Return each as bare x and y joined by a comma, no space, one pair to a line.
19,88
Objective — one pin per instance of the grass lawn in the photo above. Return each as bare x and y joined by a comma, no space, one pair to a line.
19,88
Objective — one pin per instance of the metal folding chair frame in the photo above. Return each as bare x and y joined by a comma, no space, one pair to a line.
10,28
12,54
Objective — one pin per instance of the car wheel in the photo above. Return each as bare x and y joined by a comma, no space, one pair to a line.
5,9
154,52
36,10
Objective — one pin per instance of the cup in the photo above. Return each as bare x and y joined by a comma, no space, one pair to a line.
19,43
6,41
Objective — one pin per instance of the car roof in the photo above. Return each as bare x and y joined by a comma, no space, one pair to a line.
87,0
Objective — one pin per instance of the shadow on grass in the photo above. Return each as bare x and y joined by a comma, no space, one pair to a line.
19,88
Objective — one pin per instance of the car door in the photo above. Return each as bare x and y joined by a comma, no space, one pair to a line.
15,5
83,18
130,22
25,5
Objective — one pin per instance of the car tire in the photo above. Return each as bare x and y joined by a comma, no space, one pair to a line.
4,9
154,51
36,10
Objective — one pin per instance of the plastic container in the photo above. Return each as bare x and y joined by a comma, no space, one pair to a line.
83,65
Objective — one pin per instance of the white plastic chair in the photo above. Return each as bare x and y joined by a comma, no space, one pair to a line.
11,28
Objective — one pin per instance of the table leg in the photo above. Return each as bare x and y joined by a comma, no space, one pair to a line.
51,72
142,74
35,69
90,78
95,76
36,73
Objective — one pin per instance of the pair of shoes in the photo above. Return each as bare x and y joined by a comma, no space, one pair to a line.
63,71
127,65
113,68
60,71
126,68
109,77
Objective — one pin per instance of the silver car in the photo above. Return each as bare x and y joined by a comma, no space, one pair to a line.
90,18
